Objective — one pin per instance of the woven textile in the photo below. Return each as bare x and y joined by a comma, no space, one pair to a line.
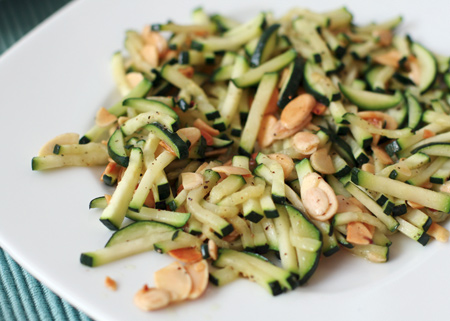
22,297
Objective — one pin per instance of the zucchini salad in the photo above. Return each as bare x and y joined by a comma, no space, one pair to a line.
256,149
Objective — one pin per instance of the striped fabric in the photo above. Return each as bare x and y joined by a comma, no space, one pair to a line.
17,17
22,297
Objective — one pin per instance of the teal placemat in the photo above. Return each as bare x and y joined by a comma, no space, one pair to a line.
22,297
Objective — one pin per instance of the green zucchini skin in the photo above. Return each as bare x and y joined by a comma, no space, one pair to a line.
289,89
179,146
265,45
116,148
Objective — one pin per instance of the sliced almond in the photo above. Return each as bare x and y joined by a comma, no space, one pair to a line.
191,133
200,124
390,122
359,233
232,170
428,133
186,255
134,78
191,180
318,197
390,58
297,110
367,167
104,118
285,161
174,279
199,273
414,73
305,142
150,299
345,205
212,249
216,152
156,39
319,109
321,162
384,37
265,134
382,156
122,120
281,132
439,232
110,284
108,198
150,54
272,106
414,204
64,139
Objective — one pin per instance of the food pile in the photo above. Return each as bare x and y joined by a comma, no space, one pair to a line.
300,136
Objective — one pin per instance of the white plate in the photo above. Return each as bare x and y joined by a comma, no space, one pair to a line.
55,79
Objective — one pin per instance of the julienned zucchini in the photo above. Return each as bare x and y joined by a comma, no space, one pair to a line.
428,198
177,145
368,100
254,76
290,86
274,279
116,148
428,66
176,219
114,213
134,239
266,45
302,227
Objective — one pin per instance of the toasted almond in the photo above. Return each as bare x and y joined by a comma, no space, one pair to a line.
122,120
68,138
415,205
281,132
200,124
359,233
390,58
208,138
186,254
265,134
191,180
149,299
202,168
272,106
167,148
297,110
345,205
110,284
318,197
191,133
199,273
285,161
175,279
414,73
316,201
150,200
319,109
216,152
382,156
232,170
187,71
104,118
305,142
156,39
111,168
212,249
321,162
107,198
439,232
356,202
390,122
150,54
134,78
367,167
384,37
428,133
